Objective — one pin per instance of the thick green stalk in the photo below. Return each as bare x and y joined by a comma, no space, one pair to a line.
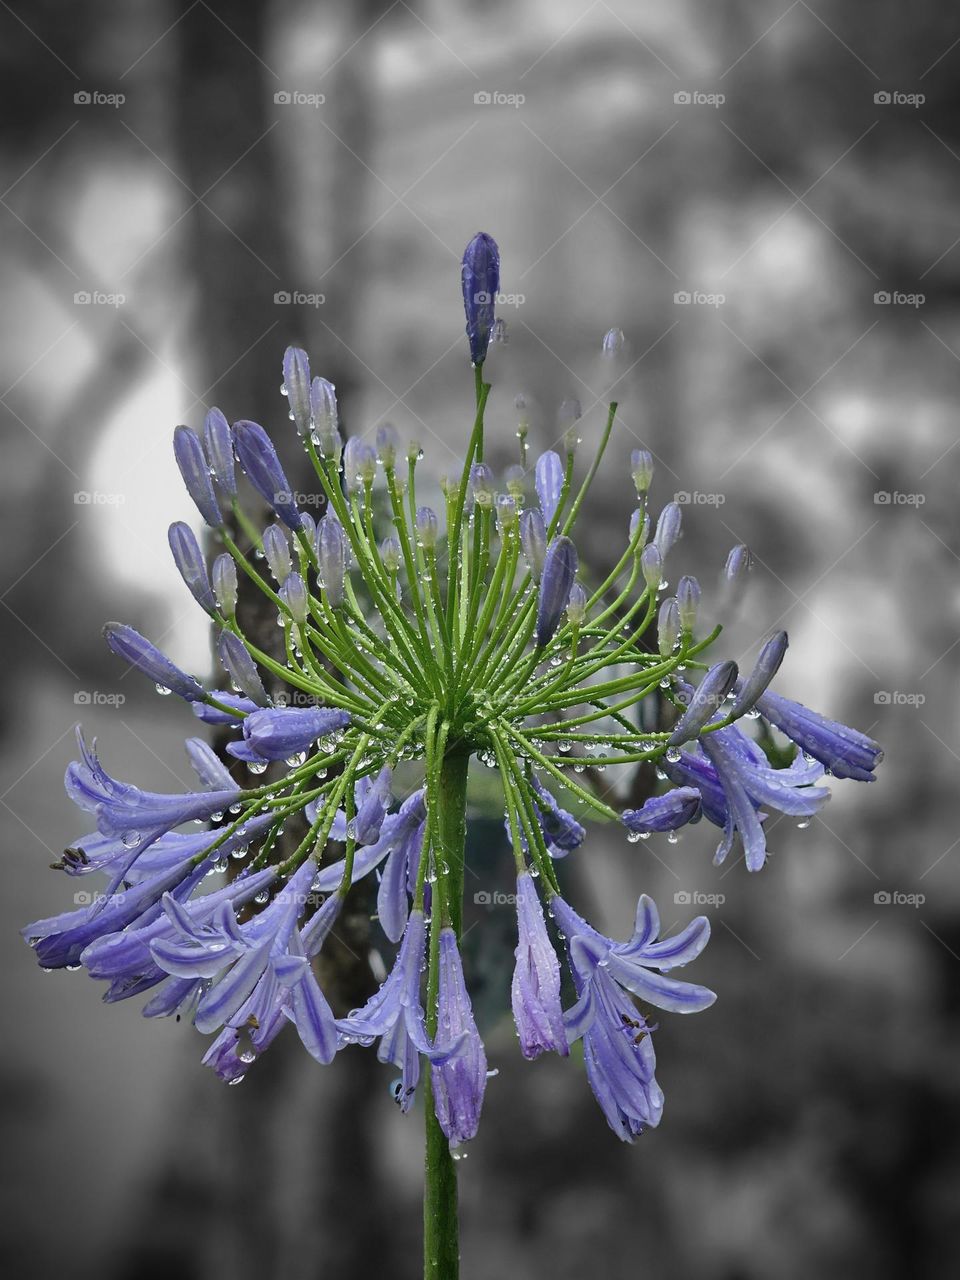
441,1247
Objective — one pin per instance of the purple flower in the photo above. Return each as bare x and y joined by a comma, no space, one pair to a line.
135,649
257,456
359,464
688,601
705,702
196,476
241,668
394,1015
296,387
617,1045
481,484
767,666
664,813
213,715
459,1074
276,550
535,991
225,584
426,527
641,468
372,801
325,415
191,565
668,529
846,752
556,582
548,475
533,541
296,597
277,733
218,447
480,281
562,833
332,558
403,832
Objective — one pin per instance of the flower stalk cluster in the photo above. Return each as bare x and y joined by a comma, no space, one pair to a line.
430,637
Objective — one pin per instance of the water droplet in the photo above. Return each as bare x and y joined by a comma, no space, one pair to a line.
163,691
673,754
130,839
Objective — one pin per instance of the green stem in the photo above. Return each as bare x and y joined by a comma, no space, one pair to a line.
441,1248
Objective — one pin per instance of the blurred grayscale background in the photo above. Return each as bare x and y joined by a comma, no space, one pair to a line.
764,197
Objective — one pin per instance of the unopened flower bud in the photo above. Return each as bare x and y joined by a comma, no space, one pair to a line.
767,666
190,563
326,419
705,703
651,566
138,652
332,558
414,450
427,527
568,416
225,584
480,281
577,605
296,387
515,479
668,627
556,583
613,341
450,479
499,334
241,668
668,529
294,595
481,484
218,447
258,458
548,475
641,468
635,528
359,464
276,549
390,554
388,442
533,542
688,601
506,512
196,475
735,572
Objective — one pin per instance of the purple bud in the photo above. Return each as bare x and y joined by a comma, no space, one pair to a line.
241,668
196,476
388,442
641,468
549,482
135,649
688,601
309,527
664,813
706,701
374,801
190,562
767,666
390,554
668,627
326,418
577,605
276,549
480,281
426,526
738,566
359,464
296,387
218,446
556,583
515,479
481,484
276,733
258,458
533,541
332,558
225,584
635,526
668,529
295,597
613,341
651,566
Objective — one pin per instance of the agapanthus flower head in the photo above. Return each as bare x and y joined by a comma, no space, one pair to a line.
410,641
